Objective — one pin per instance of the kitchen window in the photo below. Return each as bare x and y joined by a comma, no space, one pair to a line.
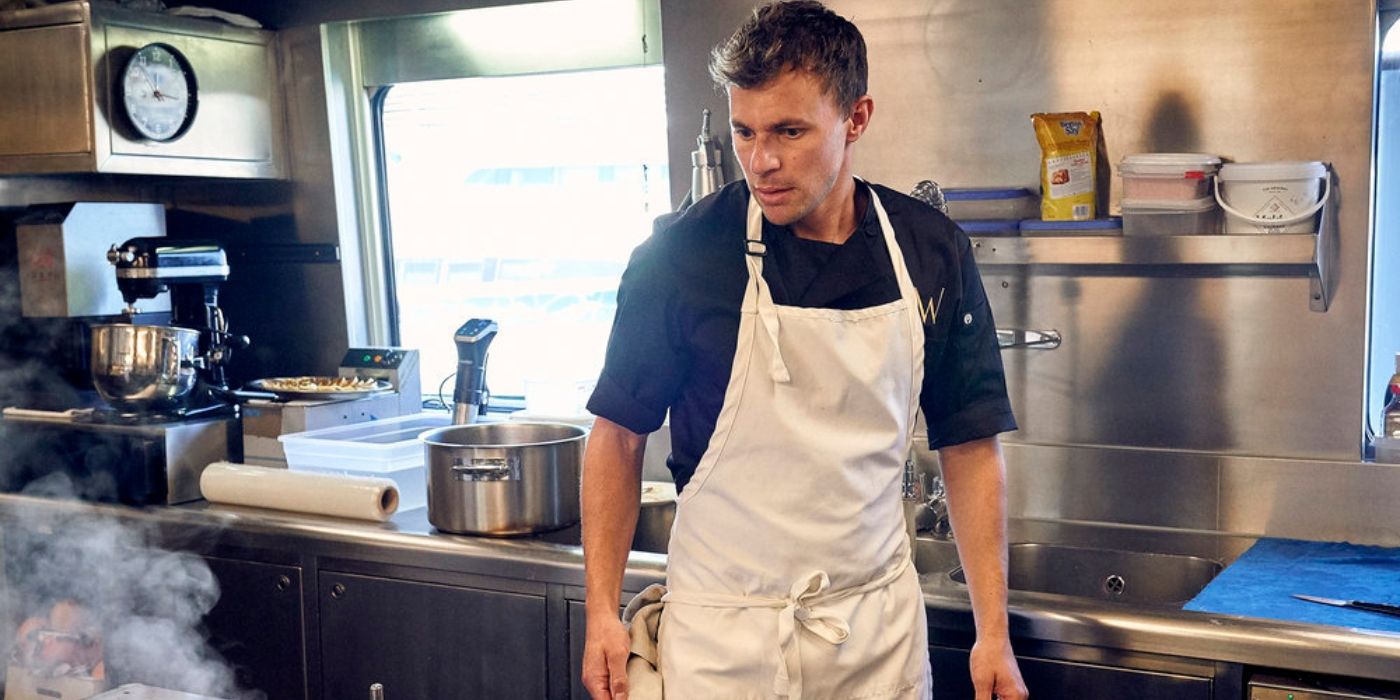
500,162
519,199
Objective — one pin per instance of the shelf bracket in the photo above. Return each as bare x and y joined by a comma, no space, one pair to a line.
1324,254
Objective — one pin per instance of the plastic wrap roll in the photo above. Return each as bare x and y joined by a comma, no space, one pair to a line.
362,498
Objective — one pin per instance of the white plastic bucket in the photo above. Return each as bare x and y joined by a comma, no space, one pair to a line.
1281,197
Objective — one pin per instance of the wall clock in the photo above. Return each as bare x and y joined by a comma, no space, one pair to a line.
159,95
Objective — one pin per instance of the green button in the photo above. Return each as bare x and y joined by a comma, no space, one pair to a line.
367,358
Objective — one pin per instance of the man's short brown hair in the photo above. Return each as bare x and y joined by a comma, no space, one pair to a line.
794,35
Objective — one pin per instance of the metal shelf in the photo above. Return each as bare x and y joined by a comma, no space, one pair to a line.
1283,254
1277,255
1221,255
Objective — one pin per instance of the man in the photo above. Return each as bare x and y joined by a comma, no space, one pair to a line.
792,324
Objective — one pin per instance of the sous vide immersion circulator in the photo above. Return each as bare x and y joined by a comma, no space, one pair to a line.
469,397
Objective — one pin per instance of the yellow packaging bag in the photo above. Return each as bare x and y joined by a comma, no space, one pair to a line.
1069,156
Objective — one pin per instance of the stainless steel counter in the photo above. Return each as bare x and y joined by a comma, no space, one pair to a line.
556,558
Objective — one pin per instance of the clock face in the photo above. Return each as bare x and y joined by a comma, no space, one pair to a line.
158,92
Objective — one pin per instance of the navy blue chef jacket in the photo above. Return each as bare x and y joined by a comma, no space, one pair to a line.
677,323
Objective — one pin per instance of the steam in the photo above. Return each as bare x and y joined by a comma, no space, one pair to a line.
148,602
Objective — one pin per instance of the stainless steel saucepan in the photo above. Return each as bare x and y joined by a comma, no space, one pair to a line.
504,478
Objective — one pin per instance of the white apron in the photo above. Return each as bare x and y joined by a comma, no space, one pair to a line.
789,571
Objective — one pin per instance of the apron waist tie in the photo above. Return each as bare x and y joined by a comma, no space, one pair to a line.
801,607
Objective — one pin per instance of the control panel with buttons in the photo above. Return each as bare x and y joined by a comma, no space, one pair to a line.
374,358
398,365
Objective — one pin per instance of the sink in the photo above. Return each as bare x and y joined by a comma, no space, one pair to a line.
935,555
1104,574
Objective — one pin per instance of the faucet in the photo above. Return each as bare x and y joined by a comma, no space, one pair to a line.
928,510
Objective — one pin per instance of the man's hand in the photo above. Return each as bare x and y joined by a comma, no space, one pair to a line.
994,671
612,492
605,659
975,476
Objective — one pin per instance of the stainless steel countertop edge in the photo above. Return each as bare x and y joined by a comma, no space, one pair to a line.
408,541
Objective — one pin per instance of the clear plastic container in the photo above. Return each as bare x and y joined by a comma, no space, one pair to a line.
1112,226
1170,218
386,448
982,203
1167,177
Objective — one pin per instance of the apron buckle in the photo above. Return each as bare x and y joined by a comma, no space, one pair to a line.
761,249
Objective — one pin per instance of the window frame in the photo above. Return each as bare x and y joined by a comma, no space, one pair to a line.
364,59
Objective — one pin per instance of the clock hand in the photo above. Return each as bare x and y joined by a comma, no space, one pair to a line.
155,91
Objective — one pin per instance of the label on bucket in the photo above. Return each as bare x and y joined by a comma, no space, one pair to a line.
1274,210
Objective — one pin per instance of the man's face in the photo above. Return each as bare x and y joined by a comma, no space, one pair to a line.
792,141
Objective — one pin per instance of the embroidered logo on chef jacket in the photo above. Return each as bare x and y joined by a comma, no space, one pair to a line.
929,309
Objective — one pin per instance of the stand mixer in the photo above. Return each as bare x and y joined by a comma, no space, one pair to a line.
141,368
171,412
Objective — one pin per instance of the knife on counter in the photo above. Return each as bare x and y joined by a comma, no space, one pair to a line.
1358,604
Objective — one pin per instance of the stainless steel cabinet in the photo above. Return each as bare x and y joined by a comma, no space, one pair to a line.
1051,678
257,626
62,112
426,641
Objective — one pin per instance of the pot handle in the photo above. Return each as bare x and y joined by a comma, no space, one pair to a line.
485,469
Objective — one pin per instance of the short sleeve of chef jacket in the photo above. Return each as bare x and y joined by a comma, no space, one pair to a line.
676,328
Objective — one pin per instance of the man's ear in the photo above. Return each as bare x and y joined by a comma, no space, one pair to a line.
859,121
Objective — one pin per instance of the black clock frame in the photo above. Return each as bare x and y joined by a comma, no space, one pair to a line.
193,97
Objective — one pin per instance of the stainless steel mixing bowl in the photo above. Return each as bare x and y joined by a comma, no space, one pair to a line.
143,368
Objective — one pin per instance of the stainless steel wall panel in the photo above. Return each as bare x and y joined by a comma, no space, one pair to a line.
1304,499
308,155
1330,501
1232,365
691,30
333,297
1133,487
956,80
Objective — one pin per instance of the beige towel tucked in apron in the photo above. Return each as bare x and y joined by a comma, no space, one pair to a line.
643,619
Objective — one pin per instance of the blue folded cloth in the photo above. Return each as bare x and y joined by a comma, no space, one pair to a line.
1261,583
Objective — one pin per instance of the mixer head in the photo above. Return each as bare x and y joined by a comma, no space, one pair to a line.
148,266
